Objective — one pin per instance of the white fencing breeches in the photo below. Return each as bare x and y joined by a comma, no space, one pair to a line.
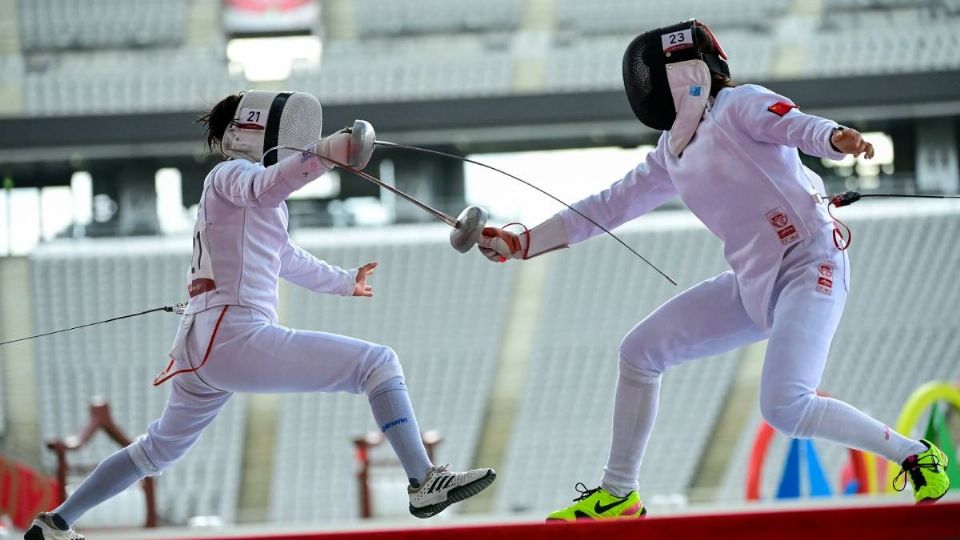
709,319
250,354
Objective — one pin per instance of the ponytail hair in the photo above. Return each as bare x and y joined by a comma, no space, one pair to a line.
216,121
709,45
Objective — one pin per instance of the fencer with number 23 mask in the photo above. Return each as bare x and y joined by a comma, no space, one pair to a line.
730,153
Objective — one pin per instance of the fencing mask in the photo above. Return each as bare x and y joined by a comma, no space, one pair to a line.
667,76
267,119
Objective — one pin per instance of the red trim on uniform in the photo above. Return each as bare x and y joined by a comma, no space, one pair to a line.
165,376
842,233
526,231
781,108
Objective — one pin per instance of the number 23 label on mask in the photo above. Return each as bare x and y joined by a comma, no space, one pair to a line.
674,41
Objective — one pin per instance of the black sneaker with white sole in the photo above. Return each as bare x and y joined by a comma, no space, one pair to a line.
442,487
49,526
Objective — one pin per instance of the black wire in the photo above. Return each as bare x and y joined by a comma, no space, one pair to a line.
908,196
449,220
849,197
168,309
528,184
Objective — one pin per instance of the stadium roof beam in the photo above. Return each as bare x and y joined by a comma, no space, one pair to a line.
513,122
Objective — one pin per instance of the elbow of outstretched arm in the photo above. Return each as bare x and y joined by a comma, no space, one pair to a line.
810,134
252,188
253,185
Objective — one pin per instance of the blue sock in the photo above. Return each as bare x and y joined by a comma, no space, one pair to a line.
111,477
393,412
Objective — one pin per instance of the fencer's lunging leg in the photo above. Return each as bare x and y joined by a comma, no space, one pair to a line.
805,321
393,411
680,330
256,356
190,408
111,477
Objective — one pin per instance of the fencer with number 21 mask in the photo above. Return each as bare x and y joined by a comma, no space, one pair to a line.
730,153
229,338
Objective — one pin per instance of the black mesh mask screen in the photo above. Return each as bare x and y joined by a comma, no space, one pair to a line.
645,74
645,80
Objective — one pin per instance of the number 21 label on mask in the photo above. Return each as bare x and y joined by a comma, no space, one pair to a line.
255,119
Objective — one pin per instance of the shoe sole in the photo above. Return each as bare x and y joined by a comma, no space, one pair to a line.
643,514
931,500
455,495
35,533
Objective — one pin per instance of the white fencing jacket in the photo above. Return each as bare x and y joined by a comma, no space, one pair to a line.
741,176
240,243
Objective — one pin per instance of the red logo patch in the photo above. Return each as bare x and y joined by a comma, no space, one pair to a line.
778,219
780,222
781,108
787,232
825,278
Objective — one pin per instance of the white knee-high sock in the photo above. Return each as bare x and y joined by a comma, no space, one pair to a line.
111,477
836,421
634,413
393,412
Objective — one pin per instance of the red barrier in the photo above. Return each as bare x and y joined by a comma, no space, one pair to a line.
928,522
24,492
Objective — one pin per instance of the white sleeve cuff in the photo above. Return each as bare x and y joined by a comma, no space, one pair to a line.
351,283
828,151
548,236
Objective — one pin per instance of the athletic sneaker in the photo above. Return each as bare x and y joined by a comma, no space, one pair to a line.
599,503
441,488
927,472
49,526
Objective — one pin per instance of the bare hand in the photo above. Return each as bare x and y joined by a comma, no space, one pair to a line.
849,141
361,288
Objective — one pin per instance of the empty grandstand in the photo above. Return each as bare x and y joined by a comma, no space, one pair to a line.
102,166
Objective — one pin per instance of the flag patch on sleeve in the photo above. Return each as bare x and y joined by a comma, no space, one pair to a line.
781,108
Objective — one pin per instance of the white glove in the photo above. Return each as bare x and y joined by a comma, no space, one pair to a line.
347,147
499,245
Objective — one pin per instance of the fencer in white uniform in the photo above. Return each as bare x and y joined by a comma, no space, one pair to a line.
229,338
731,156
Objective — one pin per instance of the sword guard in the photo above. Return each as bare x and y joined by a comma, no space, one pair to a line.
470,225
362,136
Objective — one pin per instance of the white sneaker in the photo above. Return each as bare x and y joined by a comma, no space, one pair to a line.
44,528
441,488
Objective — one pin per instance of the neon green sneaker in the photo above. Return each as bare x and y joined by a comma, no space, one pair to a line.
927,472
599,503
